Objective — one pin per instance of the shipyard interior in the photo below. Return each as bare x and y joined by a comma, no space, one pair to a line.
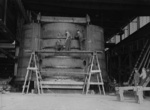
74,54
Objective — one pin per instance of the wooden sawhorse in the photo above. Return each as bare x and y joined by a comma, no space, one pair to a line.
137,89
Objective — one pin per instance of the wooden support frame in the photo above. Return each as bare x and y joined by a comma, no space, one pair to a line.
137,89
91,71
32,68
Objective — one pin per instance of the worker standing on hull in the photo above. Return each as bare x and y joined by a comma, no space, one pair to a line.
79,36
143,76
58,45
68,40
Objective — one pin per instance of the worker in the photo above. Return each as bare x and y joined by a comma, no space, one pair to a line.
136,77
68,40
148,72
79,36
58,45
146,76
143,76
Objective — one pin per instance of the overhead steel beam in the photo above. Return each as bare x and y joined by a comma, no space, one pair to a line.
118,5
63,19
126,2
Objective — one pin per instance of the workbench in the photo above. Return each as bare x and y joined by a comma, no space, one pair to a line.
138,90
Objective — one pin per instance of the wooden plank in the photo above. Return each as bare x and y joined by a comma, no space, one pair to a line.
146,88
127,88
134,88
64,73
63,87
49,51
96,83
95,71
61,71
61,83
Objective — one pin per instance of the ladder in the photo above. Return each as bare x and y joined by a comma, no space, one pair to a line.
142,60
32,68
91,72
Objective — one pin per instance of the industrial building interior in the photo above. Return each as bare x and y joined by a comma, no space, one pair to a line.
74,54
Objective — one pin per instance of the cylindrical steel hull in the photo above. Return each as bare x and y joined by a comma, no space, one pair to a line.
95,42
51,33
29,41
37,37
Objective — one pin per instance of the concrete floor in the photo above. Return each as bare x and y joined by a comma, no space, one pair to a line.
17,101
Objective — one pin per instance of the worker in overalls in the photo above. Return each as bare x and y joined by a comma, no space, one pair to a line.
148,72
136,77
68,40
143,76
58,45
80,37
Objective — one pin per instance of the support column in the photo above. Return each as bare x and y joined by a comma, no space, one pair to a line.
16,58
119,66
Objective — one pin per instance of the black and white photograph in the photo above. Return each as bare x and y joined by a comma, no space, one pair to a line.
74,54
